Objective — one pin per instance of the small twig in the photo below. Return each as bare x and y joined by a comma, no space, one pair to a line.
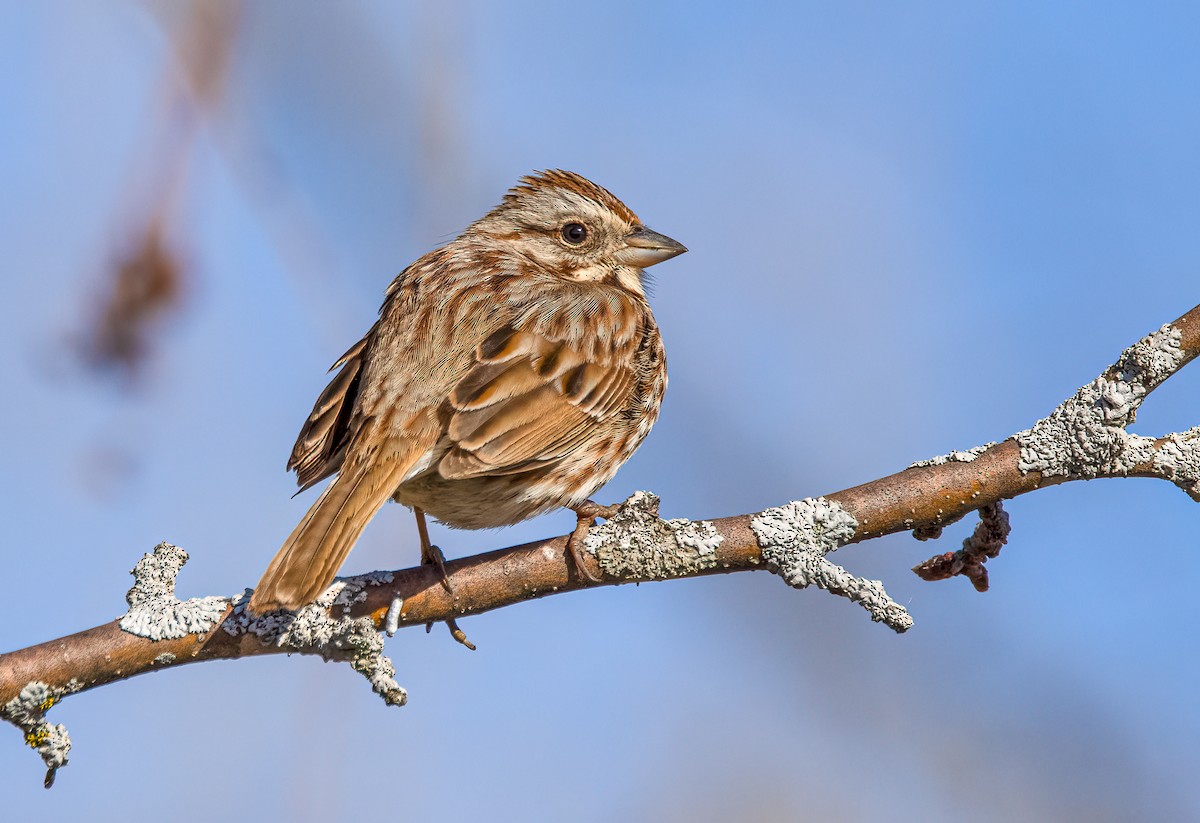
990,535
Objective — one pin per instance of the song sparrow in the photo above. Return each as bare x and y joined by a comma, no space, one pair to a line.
510,372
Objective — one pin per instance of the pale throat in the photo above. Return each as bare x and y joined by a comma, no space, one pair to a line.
631,280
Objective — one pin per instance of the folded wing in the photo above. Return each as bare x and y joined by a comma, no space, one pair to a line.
527,402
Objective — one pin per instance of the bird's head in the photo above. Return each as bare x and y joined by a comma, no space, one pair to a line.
572,228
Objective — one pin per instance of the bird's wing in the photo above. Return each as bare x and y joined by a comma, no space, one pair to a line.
527,400
321,445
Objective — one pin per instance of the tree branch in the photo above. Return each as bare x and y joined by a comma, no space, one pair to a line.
1083,438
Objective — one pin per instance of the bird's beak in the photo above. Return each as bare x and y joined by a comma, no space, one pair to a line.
645,248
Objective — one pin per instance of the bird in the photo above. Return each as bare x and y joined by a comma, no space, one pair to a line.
511,372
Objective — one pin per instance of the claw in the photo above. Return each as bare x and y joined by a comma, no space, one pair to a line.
458,634
586,514
433,557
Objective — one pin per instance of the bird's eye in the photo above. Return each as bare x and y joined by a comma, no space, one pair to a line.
574,233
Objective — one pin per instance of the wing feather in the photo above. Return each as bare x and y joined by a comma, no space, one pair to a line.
321,445
527,402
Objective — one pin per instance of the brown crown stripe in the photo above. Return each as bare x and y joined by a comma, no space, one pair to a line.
569,181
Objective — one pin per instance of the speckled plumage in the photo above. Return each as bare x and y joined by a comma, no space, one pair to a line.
510,372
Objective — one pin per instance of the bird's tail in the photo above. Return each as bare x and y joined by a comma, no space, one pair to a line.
315,550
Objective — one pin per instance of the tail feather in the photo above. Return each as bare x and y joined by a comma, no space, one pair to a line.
315,550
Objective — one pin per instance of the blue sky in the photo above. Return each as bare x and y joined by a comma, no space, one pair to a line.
913,228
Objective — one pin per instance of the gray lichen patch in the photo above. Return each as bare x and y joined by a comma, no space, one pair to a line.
636,545
264,626
795,539
312,630
27,711
354,589
154,611
1085,436
1153,359
1178,459
954,457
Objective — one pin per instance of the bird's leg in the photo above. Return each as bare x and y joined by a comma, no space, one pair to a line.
431,555
586,514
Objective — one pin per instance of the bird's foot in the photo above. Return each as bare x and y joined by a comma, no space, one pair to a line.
455,632
586,514
431,555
